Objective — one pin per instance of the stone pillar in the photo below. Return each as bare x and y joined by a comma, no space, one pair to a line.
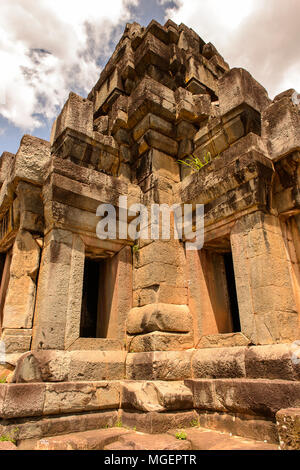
262,266
59,295
21,293
160,319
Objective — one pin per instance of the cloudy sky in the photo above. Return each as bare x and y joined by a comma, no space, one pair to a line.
49,47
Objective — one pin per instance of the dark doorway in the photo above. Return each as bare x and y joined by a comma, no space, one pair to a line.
234,308
90,296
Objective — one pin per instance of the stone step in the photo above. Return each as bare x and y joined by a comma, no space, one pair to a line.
87,440
142,441
123,439
206,439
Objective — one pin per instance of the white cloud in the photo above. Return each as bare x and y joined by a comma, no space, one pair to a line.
48,47
259,35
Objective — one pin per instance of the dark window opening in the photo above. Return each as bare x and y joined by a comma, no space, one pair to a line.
90,299
231,287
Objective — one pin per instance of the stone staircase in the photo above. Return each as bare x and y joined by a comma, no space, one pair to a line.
123,439
214,395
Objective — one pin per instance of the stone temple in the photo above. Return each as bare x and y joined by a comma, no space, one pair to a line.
103,338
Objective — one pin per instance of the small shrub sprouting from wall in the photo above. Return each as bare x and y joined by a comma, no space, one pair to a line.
195,163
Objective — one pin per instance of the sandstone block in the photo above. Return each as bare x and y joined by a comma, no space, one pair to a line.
20,298
160,341
145,442
237,87
39,427
156,396
223,340
161,142
87,440
77,114
222,362
161,365
271,362
288,425
159,317
281,127
7,446
31,159
252,427
21,400
81,397
97,365
156,423
246,396
152,122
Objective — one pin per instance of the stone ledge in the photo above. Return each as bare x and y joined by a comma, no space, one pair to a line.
246,396
254,362
37,428
251,427
27,400
223,340
155,423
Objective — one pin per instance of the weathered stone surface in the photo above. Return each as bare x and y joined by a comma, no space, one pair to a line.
281,123
156,396
62,258
248,396
139,441
271,362
201,439
163,365
58,366
31,159
160,341
237,87
156,423
223,340
251,427
217,363
7,446
87,440
77,114
32,429
159,317
288,424
267,303
16,341
20,297
20,400
79,397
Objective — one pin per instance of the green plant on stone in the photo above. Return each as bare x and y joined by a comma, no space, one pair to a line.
3,381
9,437
5,438
181,435
135,249
195,163
194,423
119,424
